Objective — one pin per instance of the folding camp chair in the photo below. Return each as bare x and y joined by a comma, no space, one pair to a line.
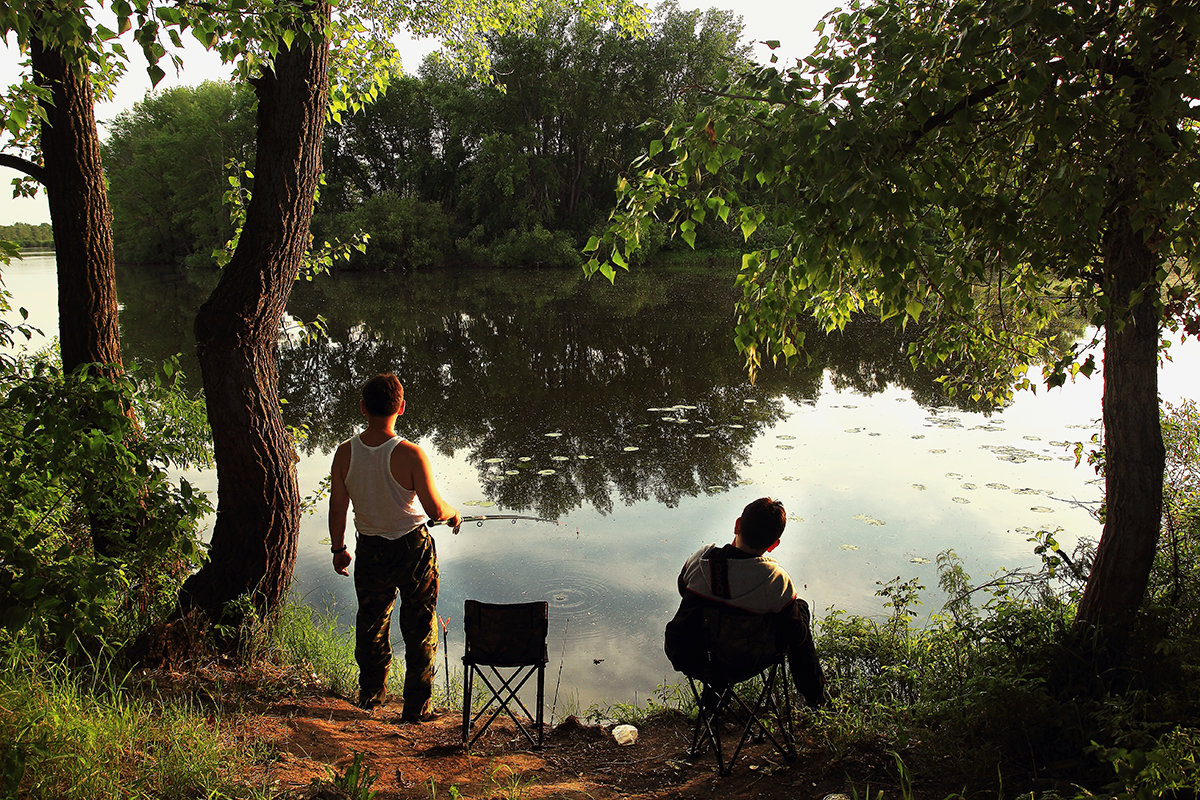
509,637
742,680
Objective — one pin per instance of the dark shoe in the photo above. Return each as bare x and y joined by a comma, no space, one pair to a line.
369,701
426,715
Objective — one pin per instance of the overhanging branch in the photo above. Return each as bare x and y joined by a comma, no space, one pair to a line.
35,171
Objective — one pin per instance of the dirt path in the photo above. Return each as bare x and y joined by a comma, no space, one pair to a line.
314,732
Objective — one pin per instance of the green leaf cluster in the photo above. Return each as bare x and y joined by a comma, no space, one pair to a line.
956,162
70,460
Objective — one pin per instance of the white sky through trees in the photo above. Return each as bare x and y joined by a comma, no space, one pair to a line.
790,22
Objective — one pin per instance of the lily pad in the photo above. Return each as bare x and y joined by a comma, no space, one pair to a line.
918,436
493,460
559,458
512,472
1042,509
937,451
546,471
525,458
849,547
631,449
867,518
734,425
918,560
1003,486
702,435
785,436
960,500
584,458
920,487
554,434
953,475
969,486
784,447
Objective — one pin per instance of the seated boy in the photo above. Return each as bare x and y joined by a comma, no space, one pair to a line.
743,576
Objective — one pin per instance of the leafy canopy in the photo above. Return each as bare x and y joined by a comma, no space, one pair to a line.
953,163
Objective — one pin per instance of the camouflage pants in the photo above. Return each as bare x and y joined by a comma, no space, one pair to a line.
383,567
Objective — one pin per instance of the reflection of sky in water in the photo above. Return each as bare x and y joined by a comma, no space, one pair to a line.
877,486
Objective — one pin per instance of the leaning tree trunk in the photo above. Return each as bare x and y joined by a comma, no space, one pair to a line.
1134,455
254,538
79,212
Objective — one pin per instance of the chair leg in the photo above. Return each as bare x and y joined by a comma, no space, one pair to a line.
541,697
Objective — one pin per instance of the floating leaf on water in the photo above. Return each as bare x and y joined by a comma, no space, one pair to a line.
969,486
953,475
867,518
745,482
554,434
874,433
918,560
1025,529
644,425
937,451
795,518
631,449
734,425
667,419
919,487
961,501
657,410
686,408
918,436
997,486
784,447
1032,438
1026,490
785,436
749,401
682,421
1042,509
702,435
714,488
493,460
583,457
1060,444
559,458
853,430
546,472
525,458
849,547
850,405
512,472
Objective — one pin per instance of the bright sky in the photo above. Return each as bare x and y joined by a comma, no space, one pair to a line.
791,23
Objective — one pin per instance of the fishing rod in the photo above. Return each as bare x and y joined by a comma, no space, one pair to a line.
479,520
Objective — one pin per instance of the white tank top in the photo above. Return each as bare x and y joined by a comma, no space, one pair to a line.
382,507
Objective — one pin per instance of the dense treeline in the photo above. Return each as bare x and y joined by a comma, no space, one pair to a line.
441,169
168,160
23,234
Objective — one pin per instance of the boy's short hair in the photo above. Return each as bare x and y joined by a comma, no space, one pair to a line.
763,522
383,395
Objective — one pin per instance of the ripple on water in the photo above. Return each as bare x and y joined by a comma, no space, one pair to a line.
576,600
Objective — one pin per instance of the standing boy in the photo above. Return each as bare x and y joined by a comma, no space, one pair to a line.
386,477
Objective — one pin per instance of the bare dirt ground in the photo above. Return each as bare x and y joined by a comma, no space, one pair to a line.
305,732
425,760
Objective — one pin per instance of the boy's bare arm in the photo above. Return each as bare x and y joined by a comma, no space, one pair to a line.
339,504
410,466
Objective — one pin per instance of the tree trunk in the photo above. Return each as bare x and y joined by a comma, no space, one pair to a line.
253,547
1134,454
79,213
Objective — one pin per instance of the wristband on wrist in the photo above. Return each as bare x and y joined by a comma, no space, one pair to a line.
336,550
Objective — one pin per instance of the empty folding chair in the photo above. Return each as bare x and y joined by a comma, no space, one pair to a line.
509,640
744,680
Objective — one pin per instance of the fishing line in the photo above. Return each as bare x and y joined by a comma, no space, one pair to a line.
561,658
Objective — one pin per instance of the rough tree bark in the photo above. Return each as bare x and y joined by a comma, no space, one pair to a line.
79,212
1133,445
254,538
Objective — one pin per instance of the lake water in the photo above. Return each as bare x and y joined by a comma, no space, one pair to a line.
624,414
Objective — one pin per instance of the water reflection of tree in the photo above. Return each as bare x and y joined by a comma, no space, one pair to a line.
495,364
